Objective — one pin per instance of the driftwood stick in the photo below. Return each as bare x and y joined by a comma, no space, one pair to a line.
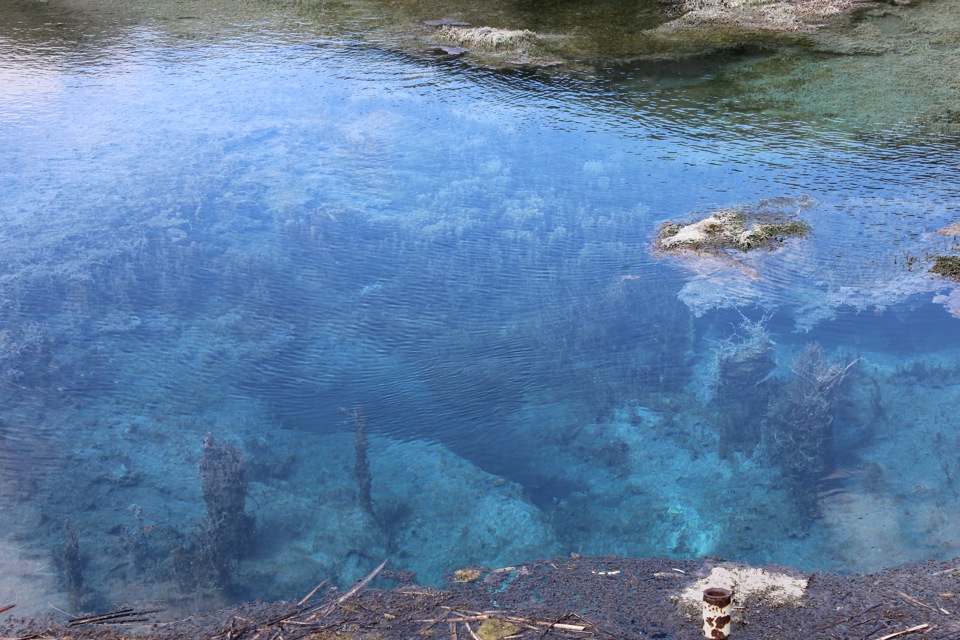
916,602
472,632
476,617
550,625
865,621
465,612
589,624
284,618
433,622
311,594
524,621
919,627
360,585
115,617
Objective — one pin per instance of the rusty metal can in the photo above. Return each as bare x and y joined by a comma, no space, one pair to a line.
716,613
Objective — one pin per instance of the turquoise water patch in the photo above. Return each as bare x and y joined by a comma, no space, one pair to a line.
251,238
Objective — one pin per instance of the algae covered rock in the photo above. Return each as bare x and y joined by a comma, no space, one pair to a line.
486,38
738,228
947,267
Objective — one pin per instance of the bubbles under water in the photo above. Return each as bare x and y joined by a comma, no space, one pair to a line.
245,268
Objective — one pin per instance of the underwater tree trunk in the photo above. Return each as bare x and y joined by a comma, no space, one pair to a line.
743,366
227,533
362,466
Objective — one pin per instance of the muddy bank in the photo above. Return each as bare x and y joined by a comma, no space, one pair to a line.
579,597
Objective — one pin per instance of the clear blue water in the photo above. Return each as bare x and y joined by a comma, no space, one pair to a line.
250,236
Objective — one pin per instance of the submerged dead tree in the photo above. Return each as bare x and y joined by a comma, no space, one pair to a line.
361,468
223,474
72,564
799,434
227,533
743,366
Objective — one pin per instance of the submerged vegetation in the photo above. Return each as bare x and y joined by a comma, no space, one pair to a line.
799,433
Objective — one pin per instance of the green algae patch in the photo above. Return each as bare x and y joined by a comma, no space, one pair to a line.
730,229
947,267
494,629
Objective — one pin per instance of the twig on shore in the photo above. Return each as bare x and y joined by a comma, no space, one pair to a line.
916,602
120,616
360,585
473,634
919,627
467,617
311,594
849,618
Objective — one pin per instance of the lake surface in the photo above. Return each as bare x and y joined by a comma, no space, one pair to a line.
232,241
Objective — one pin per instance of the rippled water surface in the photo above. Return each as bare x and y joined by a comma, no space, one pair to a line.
278,303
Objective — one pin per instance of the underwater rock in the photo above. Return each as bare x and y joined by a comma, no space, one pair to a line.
721,250
435,512
118,322
818,291
865,39
347,542
451,50
443,512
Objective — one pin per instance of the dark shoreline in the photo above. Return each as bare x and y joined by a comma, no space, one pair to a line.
599,597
